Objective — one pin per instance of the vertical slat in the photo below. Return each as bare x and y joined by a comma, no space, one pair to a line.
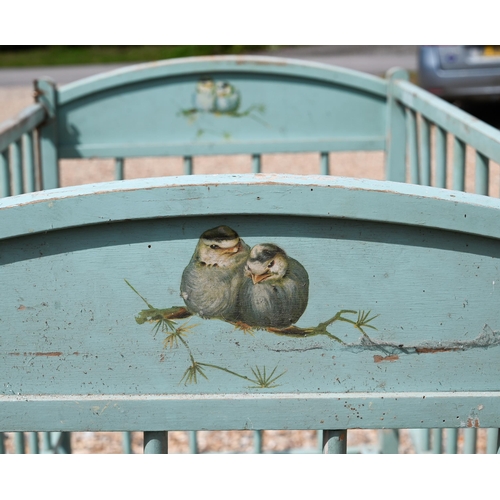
389,441
4,174
482,174
411,125
16,168
470,440
56,442
493,441
188,165
458,164
19,445
437,440
395,169
119,169
441,154
319,441
421,440
425,151
127,442
325,163
2,443
256,164
29,162
45,91
451,441
46,442
335,441
156,442
61,442
257,441
33,443
193,442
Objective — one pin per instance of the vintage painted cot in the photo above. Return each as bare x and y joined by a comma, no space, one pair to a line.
254,106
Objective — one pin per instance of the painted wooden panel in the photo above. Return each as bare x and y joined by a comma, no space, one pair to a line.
13,129
396,323
479,135
221,105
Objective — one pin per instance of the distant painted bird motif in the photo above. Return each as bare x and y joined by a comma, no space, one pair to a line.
204,97
227,97
212,279
275,290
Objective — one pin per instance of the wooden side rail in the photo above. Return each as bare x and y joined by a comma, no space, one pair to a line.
249,302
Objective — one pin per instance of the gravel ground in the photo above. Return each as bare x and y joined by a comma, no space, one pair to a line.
353,164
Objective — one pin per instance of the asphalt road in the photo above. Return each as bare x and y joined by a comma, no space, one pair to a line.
373,59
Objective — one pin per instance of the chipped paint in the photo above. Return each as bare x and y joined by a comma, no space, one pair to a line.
377,358
434,350
473,422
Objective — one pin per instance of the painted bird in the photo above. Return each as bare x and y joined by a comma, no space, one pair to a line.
204,97
212,279
227,97
275,290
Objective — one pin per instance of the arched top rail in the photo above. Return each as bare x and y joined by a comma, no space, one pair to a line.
235,64
284,195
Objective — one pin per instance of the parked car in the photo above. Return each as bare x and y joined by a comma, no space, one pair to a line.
460,71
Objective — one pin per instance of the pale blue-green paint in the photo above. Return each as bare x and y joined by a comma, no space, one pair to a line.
127,442
324,163
4,174
334,441
493,441
16,168
395,130
46,95
119,169
314,196
397,94
28,156
482,174
155,442
470,440
425,152
451,441
193,442
256,164
458,164
437,440
441,157
26,121
188,165
196,66
474,132
411,124
73,345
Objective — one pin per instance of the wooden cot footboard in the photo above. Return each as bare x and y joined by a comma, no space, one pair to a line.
249,302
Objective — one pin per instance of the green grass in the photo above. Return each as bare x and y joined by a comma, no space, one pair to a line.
51,55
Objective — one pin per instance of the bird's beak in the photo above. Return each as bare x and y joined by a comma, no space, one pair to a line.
234,249
257,278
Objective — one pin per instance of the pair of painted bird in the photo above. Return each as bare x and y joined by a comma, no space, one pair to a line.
260,287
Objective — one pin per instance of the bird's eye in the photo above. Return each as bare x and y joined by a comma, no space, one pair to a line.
214,247
271,264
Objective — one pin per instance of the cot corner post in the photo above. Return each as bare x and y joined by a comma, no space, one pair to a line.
395,145
46,94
